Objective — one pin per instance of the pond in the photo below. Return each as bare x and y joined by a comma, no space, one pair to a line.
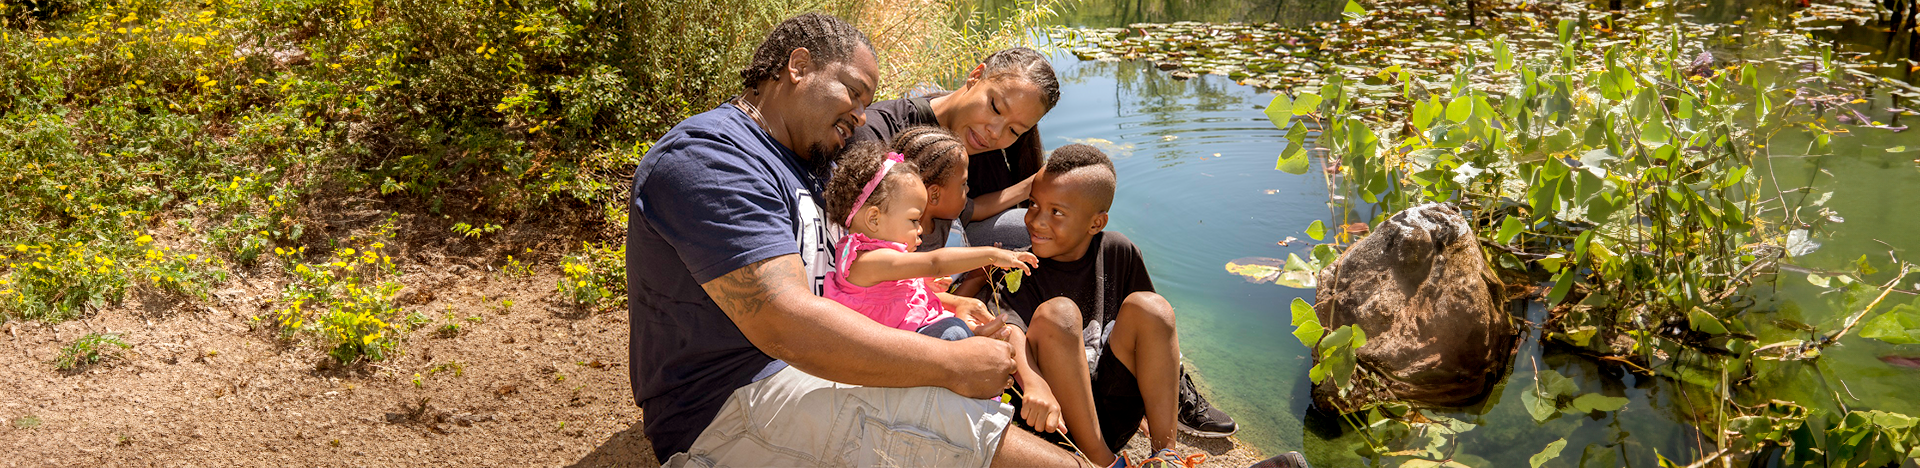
1198,189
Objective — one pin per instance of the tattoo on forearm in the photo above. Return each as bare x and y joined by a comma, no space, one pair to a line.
745,292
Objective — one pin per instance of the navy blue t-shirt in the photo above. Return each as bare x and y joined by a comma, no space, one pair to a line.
715,194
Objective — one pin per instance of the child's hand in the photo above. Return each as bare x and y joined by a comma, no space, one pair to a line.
1009,259
940,284
1040,410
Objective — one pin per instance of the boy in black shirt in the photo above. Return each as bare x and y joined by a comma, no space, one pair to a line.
1100,336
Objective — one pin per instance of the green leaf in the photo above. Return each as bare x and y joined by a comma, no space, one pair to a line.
1422,114
1552,262
1542,398
1013,280
1309,334
1557,385
1654,131
1818,280
1460,109
1596,402
1540,407
1353,10
1317,230
1898,326
1339,337
1552,451
1306,104
1280,111
1598,455
1324,255
1294,159
1503,58
1704,322
1303,312
1562,283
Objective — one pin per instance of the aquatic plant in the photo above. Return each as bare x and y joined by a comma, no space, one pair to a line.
1622,171
1611,157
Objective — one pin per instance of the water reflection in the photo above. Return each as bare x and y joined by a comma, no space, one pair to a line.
1111,13
1164,110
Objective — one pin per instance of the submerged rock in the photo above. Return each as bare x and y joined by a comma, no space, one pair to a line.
1421,288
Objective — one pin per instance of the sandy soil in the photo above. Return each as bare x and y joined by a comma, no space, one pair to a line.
539,383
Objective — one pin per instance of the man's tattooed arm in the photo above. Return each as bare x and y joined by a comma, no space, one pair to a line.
746,292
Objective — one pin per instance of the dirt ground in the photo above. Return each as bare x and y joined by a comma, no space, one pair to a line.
539,383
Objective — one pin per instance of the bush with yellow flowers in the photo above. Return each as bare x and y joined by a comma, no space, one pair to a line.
187,274
345,301
227,115
596,276
55,282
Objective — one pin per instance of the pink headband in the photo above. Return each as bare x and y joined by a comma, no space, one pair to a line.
871,184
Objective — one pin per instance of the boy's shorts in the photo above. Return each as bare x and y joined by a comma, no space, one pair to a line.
795,419
1116,395
1116,399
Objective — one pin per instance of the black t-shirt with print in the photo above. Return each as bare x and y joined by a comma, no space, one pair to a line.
1097,283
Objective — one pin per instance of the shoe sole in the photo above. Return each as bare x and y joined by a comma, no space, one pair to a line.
1206,434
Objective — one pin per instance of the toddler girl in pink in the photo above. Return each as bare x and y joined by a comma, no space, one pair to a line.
880,198
882,201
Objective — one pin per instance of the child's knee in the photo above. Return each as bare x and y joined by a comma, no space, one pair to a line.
1147,309
1058,318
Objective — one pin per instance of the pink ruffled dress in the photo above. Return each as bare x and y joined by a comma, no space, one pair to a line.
907,304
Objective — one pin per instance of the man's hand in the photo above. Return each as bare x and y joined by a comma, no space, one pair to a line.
986,375
771,303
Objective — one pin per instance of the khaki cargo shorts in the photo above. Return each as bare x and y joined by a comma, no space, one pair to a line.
795,419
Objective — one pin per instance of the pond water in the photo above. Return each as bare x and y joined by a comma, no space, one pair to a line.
1198,189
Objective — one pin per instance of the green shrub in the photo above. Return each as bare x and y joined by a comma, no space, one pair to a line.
53,283
596,276
89,349
345,303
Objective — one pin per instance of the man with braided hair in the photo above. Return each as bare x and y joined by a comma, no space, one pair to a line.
735,359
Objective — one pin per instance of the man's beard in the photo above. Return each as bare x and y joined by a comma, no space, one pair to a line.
821,159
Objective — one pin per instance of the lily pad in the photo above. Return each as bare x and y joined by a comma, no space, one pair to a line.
1257,269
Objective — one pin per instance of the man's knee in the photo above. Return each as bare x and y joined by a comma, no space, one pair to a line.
1147,309
1056,319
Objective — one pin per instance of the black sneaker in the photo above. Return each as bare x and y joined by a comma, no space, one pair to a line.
1199,419
1284,460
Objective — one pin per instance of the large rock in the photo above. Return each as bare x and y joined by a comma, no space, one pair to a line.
1437,331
